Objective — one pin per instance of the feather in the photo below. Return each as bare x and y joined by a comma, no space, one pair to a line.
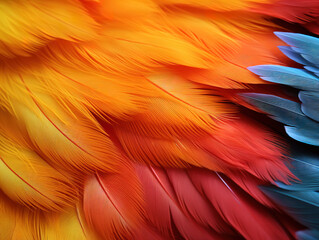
176,120
193,203
288,112
163,210
26,178
309,106
27,26
307,46
294,77
173,152
113,203
191,95
306,169
302,205
235,209
250,185
293,55
307,235
245,137
307,136
61,143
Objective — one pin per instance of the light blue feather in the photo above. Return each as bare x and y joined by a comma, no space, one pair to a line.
307,136
307,46
300,41
313,69
298,78
293,55
310,104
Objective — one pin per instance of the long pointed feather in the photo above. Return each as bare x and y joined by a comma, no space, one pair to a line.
113,203
26,178
302,205
294,77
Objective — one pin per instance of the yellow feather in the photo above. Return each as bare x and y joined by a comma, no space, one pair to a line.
217,5
26,25
66,225
26,178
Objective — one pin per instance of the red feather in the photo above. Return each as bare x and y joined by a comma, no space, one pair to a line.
164,211
113,203
251,220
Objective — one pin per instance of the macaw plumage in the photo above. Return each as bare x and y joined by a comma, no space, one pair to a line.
159,119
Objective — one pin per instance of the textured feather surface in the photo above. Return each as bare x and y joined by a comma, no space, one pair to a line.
28,179
300,127
163,210
117,121
300,197
28,25
236,210
113,203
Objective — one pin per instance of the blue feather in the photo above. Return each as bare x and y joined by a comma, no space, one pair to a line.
306,168
300,41
290,53
301,128
298,78
308,235
307,46
302,205
310,104
307,136
300,198
312,69
280,109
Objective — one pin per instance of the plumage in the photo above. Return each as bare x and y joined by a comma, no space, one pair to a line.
114,211
136,119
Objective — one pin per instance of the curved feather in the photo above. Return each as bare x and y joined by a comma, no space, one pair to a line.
295,77
307,136
307,46
302,205
236,210
26,178
28,25
194,204
113,203
307,235
309,106
163,210
288,112
76,143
